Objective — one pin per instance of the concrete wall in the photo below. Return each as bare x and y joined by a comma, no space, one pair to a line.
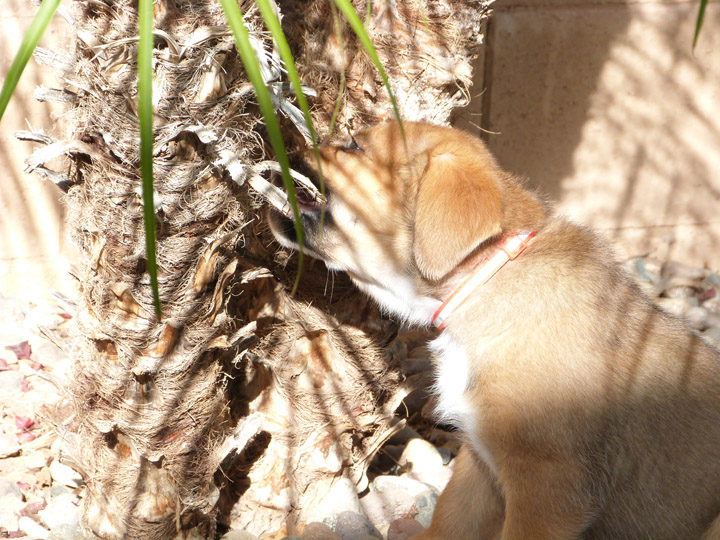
32,235
604,107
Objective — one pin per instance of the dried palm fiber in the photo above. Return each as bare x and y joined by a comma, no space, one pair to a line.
242,405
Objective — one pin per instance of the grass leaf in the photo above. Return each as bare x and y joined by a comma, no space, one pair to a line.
252,69
341,91
357,25
145,114
273,24
699,22
30,40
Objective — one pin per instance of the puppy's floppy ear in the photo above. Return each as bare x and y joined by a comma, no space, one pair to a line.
458,206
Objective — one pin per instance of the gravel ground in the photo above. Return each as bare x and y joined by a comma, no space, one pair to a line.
39,495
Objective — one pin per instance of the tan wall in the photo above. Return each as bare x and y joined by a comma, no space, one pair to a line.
31,226
602,105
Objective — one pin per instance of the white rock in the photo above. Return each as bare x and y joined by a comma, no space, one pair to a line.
384,484
424,463
342,497
420,455
9,446
436,479
382,508
63,474
10,382
33,529
697,317
61,510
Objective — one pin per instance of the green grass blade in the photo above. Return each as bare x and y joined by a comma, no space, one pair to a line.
699,22
273,24
341,91
356,24
30,40
252,68
145,114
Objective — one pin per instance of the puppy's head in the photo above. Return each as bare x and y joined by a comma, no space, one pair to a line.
415,208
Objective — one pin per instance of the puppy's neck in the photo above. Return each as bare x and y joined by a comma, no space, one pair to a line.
507,249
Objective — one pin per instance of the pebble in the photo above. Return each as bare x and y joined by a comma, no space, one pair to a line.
384,484
351,525
425,505
318,531
65,475
420,455
342,497
61,511
402,529
10,382
403,436
713,334
9,488
32,528
67,532
10,506
423,462
9,446
385,507
437,479
241,535
698,317
446,455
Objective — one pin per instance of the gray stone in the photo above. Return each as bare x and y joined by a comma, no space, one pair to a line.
639,267
713,278
10,488
404,528
239,535
446,455
351,525
713,335
425,505
61,510
318,531
58,489
10,382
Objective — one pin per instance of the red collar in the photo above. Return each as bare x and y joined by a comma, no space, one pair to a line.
506,250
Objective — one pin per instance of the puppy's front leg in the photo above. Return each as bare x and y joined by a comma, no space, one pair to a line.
544,500
470,507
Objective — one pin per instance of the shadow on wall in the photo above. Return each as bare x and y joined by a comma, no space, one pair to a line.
30,210
606,110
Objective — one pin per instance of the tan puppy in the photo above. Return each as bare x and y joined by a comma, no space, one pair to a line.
586,411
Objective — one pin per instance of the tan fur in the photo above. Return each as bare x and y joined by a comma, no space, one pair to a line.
588,413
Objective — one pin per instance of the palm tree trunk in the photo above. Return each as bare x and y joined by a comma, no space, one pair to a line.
243,404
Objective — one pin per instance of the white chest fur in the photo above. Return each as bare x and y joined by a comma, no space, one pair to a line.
452,378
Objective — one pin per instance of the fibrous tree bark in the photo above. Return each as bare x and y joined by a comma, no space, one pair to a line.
242,405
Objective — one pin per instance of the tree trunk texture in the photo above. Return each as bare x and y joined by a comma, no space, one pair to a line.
242,405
